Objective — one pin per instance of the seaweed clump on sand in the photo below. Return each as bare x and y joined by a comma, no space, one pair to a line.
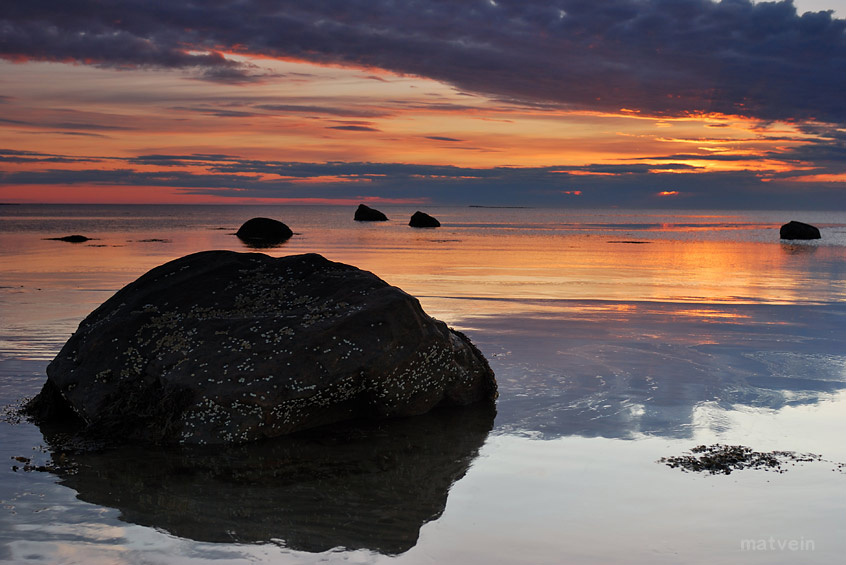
721,459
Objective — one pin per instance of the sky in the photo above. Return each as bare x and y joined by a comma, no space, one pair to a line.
574,103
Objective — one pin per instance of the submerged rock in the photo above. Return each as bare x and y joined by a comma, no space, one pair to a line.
799,230
76,238
422,220
367,214
263,232
225,347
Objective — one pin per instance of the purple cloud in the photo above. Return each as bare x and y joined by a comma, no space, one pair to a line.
656,57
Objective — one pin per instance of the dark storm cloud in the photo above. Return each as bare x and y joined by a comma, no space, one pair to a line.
130,177
657,57
625,169
16,156
697,157
64,125
216,112
445,107
327,110
353,128
112,34
12,159
83,126
71,133
230,164
181,160
13,122
442,138
19,153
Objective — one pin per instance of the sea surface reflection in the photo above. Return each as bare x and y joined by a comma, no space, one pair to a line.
367,485
631,370
617,338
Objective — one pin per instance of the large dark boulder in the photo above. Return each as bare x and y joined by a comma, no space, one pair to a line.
263,232
225,347
367,214
422,220
799,230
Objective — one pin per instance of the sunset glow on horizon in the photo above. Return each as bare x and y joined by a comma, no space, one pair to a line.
229,119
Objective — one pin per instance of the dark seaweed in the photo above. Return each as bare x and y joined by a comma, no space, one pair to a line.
721,459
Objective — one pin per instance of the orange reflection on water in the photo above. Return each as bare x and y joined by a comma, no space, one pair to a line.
508,270
710,314
590,268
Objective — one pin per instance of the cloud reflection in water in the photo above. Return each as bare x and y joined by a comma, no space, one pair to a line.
635,369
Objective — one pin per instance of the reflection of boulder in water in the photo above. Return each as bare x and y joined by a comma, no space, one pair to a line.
798,249
372,485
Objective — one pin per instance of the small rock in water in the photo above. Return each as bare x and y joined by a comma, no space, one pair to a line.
799,230
422,220
367,214
263,232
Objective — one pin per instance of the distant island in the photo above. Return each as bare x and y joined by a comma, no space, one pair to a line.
480,206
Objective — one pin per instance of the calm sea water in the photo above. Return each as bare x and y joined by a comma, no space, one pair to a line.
617,338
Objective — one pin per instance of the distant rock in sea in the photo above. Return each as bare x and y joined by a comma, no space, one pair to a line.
224,347
76,238
423,220
263,232
799,230
367,214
